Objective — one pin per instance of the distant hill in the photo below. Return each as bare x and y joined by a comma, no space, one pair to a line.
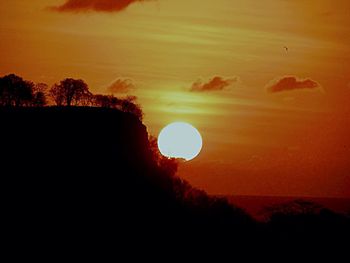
257,205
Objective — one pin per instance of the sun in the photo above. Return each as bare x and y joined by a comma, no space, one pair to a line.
180,140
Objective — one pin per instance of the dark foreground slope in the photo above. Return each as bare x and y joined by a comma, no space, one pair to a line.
87,174
87,177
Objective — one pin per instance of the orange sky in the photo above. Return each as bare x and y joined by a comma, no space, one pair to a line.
256,142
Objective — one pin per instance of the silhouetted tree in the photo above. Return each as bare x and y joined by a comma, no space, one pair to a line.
14,91
100,101
39,95
129,105
56,95
114,101
110,101
70,92
40,87
86,99
106,101
39,99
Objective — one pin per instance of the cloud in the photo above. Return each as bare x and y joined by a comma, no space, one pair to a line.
121,86
95,5
291,83
215,84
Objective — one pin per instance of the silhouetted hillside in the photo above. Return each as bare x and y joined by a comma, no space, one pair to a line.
91,177
91,172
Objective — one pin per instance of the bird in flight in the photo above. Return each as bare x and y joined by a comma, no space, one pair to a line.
286,48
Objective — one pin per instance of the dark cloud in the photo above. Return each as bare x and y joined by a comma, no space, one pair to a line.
95,5
121,86
291,83
215,84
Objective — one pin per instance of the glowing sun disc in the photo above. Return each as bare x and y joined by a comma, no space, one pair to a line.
180,140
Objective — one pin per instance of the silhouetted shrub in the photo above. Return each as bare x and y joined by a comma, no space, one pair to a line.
129,105
105,101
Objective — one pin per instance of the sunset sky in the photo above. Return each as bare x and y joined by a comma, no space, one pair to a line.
267,83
